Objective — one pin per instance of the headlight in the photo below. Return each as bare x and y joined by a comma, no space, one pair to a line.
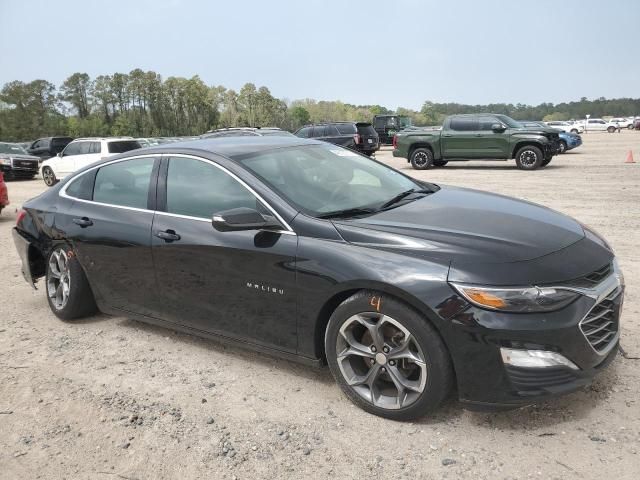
5,160
517,299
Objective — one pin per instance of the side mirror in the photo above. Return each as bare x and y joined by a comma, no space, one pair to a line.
243,218
59,154
498,127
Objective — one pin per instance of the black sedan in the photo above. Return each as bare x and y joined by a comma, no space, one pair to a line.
314,252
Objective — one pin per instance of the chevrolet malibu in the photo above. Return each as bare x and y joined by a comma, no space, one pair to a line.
313,252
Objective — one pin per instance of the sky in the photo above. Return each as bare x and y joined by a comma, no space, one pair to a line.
392,53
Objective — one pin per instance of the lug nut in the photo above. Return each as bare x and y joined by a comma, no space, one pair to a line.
385,349
383,369
392,362
373,348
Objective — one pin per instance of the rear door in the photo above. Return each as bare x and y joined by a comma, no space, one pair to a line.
459,139
109,226
238,284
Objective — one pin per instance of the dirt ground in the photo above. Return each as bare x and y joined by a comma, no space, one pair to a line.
110,398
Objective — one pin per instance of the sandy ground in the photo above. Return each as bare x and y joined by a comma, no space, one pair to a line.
113,398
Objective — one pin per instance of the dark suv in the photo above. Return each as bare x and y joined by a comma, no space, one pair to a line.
48,147
358,136
247,132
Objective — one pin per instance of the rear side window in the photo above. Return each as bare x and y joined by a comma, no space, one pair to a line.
82,187
332,131
124,183
85,147
463,124
366,129
122,146
304,132
346,128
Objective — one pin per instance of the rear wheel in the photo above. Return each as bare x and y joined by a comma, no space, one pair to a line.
440,163
49,177
68,291
386,357
611,129
630,127
422,159
529,157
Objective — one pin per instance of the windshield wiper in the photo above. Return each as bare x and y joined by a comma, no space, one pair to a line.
348,212
401,196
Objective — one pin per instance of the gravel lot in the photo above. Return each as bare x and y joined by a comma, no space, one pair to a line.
113,398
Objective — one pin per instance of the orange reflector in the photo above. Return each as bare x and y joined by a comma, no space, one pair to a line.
484,298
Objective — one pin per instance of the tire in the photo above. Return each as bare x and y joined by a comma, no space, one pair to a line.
49,177
440,163
429,382
64,274
561,149
611,129
574,130
421,159
529,157
546,162
630,127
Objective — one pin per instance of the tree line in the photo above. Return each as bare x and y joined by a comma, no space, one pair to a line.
144,104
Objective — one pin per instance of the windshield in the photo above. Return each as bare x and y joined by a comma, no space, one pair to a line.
12,149
404,122
509,122
325,178
276,133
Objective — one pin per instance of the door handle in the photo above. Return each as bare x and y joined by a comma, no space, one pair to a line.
479,135
447,135
83,222
167,235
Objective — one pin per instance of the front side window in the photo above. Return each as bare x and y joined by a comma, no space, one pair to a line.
199,189
320,179
304,132
485,122
124,183
72,149
85,147
319,131
346,128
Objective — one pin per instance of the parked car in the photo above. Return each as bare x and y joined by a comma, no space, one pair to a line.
48,147
568,140
15,162
82,152
313,252
622,122
4,193
358,136
598,125
636,124
387,126
566,126
477,137
247,132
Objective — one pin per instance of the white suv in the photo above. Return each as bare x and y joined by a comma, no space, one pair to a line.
598,125
623,122
566,126
82,152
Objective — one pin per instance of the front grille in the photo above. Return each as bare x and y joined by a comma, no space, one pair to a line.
590,280
25,164
600,326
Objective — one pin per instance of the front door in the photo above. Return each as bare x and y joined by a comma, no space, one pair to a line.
109,226
239,284
490,143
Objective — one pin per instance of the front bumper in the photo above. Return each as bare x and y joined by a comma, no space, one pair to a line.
476,336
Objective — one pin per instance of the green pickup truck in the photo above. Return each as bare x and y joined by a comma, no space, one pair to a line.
477,137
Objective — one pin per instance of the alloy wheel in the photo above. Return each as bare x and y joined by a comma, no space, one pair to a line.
59,279
528,158
48,176
381,361
420,159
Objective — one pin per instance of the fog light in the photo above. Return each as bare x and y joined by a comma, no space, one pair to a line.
535,359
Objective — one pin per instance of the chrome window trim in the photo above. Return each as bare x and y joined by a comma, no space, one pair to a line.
63,190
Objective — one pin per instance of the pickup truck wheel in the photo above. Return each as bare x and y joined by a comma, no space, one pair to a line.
529,158
562,148
440,163
545,162
421,159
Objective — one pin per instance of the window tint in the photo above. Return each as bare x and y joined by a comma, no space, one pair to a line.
485,123
463,124
366,129
200,189
304,132
82,187
58,142
331,131
319,131
122,146
72,149
346,128
85,147
95,147
124,183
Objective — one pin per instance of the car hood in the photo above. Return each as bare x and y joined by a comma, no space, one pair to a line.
466,225
536,130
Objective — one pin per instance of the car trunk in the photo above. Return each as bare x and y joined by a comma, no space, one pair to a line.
368,136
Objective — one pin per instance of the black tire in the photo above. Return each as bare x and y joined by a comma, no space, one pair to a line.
49,177
574,130
438,371
611,129
630,127
440,163
562,148
80,301
421,159
529,157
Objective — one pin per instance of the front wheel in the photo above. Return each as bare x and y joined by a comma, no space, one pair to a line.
562,148
529,157
422,159
611,129
573,130
387,358
49,177
68,291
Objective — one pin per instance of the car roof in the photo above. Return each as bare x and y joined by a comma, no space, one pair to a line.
106,139
230,147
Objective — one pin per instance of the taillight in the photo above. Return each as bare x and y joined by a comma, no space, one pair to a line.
395,141
357,138
21,214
